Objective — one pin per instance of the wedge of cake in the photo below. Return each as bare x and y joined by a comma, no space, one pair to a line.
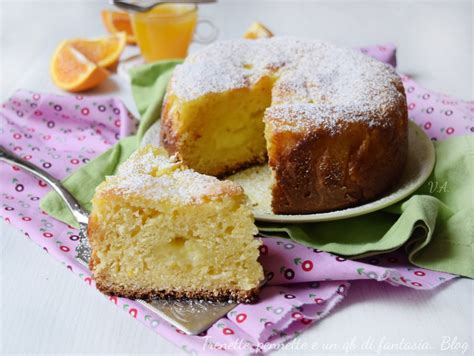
159,229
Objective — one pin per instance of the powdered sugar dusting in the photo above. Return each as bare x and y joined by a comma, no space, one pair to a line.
145,161
150,173
313,79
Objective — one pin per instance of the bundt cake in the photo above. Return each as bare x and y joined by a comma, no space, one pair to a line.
332,122
158,229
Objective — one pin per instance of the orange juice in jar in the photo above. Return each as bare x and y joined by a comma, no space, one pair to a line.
166,31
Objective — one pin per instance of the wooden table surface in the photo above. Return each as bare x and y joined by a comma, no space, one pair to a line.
46,309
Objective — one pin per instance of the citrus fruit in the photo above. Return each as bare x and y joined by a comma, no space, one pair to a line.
257,30
117,21
72,71
104,51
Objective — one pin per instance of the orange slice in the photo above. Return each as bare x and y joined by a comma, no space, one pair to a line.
257,30
105,51
117,21
72,71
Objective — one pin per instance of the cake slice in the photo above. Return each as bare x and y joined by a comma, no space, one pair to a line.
159,229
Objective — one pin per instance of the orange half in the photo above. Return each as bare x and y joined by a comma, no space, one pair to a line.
117,21
105,51
72,71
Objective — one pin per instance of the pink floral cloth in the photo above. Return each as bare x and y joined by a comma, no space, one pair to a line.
60,133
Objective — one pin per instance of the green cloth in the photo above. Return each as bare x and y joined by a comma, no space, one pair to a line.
435,225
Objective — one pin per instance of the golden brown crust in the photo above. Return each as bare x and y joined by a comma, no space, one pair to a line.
168,136
319,171
239,296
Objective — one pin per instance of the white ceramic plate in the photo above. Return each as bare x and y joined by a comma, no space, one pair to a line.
256,182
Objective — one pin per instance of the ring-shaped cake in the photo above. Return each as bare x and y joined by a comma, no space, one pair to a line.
331,121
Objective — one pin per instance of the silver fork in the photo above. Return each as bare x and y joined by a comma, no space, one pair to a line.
190,316
144,5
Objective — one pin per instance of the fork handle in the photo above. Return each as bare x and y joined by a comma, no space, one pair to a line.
79,213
